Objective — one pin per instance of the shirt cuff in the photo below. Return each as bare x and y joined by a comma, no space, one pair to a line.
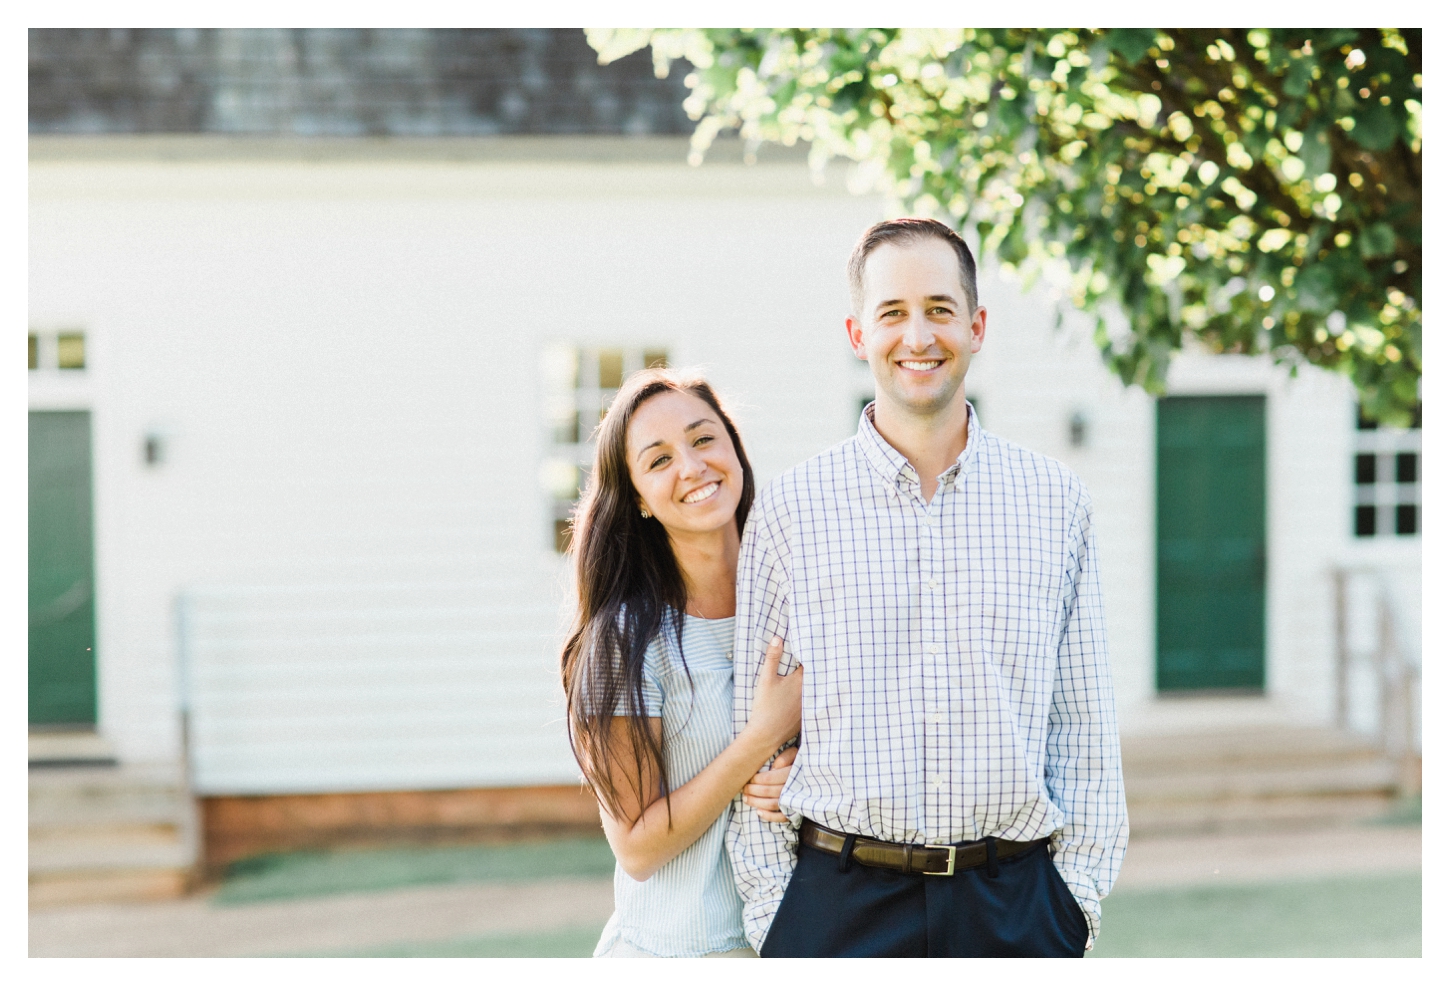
1085,890
758,914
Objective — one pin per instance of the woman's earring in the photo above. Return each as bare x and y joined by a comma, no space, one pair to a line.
644,513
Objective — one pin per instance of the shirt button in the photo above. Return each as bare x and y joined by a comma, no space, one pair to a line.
936,718
931,583
933,648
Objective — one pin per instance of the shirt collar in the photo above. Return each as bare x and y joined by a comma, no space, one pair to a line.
892,466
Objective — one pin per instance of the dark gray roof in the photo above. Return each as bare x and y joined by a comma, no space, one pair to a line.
344,82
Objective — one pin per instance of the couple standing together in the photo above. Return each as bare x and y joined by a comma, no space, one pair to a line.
930,592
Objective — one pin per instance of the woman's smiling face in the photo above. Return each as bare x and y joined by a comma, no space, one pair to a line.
683,464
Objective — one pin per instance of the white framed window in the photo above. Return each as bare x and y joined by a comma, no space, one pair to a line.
62,350
1386,479
579,383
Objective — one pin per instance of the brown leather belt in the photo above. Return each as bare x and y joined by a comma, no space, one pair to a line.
928,860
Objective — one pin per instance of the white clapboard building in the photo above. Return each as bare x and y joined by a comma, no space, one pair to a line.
328,399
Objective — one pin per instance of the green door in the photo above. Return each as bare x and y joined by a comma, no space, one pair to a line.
62,609
1210,543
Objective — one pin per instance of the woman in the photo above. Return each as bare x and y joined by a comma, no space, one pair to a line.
648,667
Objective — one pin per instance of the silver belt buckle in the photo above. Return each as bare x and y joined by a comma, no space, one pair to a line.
951,861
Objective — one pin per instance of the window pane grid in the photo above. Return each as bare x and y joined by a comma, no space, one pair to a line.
580,383
1386,474
62,350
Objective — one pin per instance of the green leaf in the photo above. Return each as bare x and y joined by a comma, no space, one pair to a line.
1315,151
1131,43
1315,289
1375,127
1300,74
1377,241
1030,197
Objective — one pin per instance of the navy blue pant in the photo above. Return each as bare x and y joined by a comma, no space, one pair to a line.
1026,909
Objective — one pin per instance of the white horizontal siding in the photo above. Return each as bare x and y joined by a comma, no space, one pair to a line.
343,358
374,686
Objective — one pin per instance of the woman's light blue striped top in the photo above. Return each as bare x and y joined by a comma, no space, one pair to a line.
690,906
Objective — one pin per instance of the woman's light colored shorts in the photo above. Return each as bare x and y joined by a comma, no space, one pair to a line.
622,949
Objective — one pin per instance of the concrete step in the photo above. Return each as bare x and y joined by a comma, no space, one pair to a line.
1355,777
1279,747
76,748
101,834
125,834
107,796
74,887
137,807
101,778
83,855
1236,815
1249,779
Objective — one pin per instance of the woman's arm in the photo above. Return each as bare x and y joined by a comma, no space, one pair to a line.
648,836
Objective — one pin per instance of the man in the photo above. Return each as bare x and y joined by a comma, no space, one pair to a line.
958,789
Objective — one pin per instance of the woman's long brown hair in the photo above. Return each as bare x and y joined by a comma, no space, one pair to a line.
628,584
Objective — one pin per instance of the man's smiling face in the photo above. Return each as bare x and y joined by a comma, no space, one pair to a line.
915,326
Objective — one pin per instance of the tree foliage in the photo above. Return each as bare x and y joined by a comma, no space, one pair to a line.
1257,189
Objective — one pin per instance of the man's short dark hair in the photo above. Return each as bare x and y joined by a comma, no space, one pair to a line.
902,232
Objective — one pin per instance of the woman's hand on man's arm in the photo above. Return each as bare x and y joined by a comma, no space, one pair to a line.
763,791
651,832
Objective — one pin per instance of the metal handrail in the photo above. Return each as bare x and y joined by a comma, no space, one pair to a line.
1396,678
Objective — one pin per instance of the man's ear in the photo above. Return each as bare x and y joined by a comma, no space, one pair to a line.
855,336
979,329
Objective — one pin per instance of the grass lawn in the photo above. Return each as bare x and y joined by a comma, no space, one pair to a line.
1345,917
1341,917
287,876
559,943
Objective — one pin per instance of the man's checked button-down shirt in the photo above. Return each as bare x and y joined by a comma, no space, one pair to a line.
957,682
